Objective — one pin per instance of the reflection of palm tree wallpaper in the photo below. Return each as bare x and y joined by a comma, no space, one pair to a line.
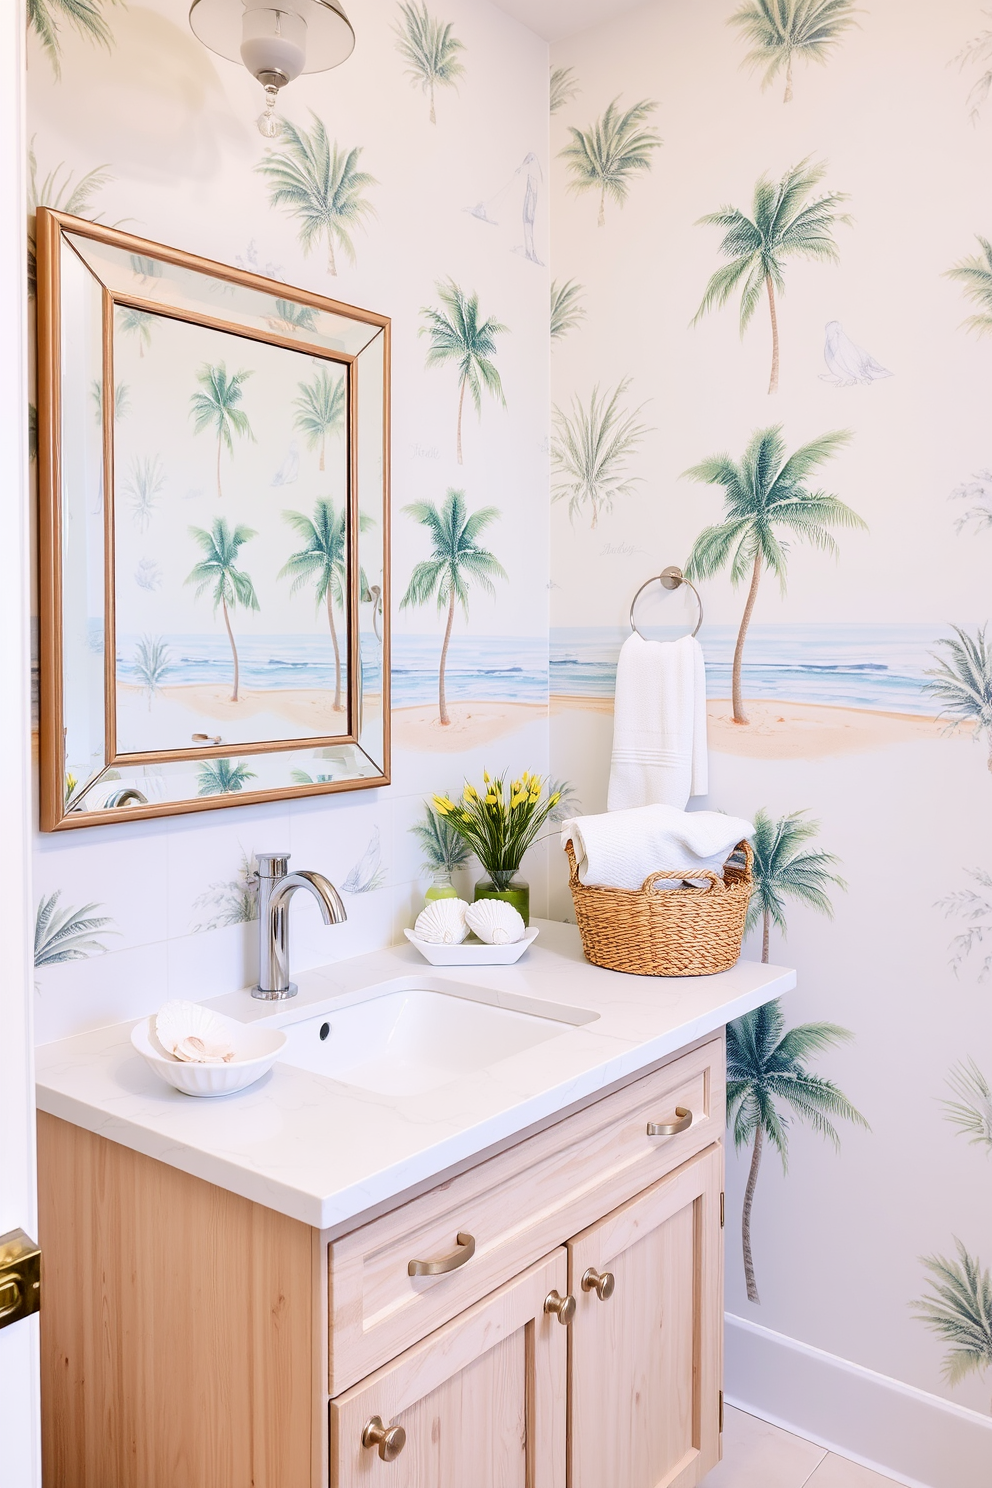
783,31
221,777
152,664
765,491
784,223
321,408
608,156
320,186
217,408
430,49
321,562
591,448
456,562
231,588
457,334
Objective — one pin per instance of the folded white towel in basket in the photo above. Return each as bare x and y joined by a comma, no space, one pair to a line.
659,724
619,849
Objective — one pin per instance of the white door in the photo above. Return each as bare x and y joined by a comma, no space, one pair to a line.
20,1448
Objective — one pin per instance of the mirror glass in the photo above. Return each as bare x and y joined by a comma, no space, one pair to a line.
213,452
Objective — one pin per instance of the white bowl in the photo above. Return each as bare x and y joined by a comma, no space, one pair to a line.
473,952
256,1050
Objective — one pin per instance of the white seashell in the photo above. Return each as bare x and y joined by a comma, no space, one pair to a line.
442,922
192,1033
495,922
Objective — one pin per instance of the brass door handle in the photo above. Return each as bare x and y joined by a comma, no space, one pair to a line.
604,1285
390,1440
20,1277
460,1256
669,1128
563,1308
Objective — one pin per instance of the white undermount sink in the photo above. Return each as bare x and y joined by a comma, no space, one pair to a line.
404,1041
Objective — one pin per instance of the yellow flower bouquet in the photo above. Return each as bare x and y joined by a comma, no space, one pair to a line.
500,822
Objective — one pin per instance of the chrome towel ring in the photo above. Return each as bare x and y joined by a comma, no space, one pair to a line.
669,578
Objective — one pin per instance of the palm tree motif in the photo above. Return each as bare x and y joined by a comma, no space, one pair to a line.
781,30
974,907
67,934
975,273
136,323
567,310
320,185
143,487
765,1067
122,400
783,224
568,801
59,191
959,1311
219,568
963,683
971,1111
563,88
457,560
460,336
431,50
766,490
291,317
590,451
217,408
152,664
978,50
320,409
611,152
220,778
321,563
443,848
45,18
232,902
782,870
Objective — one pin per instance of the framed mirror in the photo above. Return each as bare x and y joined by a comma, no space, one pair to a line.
214,533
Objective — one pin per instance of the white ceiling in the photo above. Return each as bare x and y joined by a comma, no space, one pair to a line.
555,19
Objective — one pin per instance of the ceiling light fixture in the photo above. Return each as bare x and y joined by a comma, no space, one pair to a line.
276,42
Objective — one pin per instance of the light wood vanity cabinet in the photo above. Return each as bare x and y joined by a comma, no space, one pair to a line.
192,1339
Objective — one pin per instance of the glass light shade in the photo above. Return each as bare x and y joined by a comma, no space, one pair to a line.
273,41
329,38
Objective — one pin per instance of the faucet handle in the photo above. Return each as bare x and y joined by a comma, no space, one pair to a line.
272,864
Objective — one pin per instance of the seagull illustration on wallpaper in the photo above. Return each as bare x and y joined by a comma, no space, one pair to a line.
848,363
290,467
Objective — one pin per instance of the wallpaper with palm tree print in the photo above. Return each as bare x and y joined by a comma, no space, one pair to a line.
609,156
430,49
862,688
457,333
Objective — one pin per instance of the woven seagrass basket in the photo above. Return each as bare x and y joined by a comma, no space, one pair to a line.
670,932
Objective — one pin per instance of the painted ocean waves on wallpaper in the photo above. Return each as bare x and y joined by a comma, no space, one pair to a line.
878,667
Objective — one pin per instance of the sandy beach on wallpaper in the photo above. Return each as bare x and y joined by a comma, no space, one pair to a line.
280,713
780,730
472,724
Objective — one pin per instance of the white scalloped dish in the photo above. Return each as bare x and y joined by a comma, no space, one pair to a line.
256,1049
473,952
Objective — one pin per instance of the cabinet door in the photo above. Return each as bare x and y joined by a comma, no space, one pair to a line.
646,1358
481,1402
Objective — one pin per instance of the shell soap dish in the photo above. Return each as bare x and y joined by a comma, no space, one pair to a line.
442,923
495,922
201,1052
192,1033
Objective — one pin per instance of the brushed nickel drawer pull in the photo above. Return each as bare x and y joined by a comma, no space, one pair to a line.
450,1262
602,1283
389,1439
669,1128
563,1308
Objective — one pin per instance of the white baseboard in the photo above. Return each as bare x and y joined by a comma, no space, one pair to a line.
919,1439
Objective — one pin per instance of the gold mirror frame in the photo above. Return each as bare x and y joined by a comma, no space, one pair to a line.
355,767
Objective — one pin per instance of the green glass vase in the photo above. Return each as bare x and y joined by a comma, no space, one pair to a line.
517,894
441,888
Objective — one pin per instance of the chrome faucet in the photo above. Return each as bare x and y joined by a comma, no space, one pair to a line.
276,887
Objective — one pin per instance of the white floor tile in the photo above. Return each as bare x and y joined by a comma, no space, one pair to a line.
838,1472
757,1455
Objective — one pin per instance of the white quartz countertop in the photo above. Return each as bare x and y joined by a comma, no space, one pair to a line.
325,1152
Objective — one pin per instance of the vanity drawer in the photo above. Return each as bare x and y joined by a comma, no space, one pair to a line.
481,1228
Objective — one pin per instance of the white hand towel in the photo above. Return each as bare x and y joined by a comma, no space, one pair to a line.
659,727
618,849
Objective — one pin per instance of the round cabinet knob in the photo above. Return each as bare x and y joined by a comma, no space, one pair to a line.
390,1440
562,1307
603,1285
